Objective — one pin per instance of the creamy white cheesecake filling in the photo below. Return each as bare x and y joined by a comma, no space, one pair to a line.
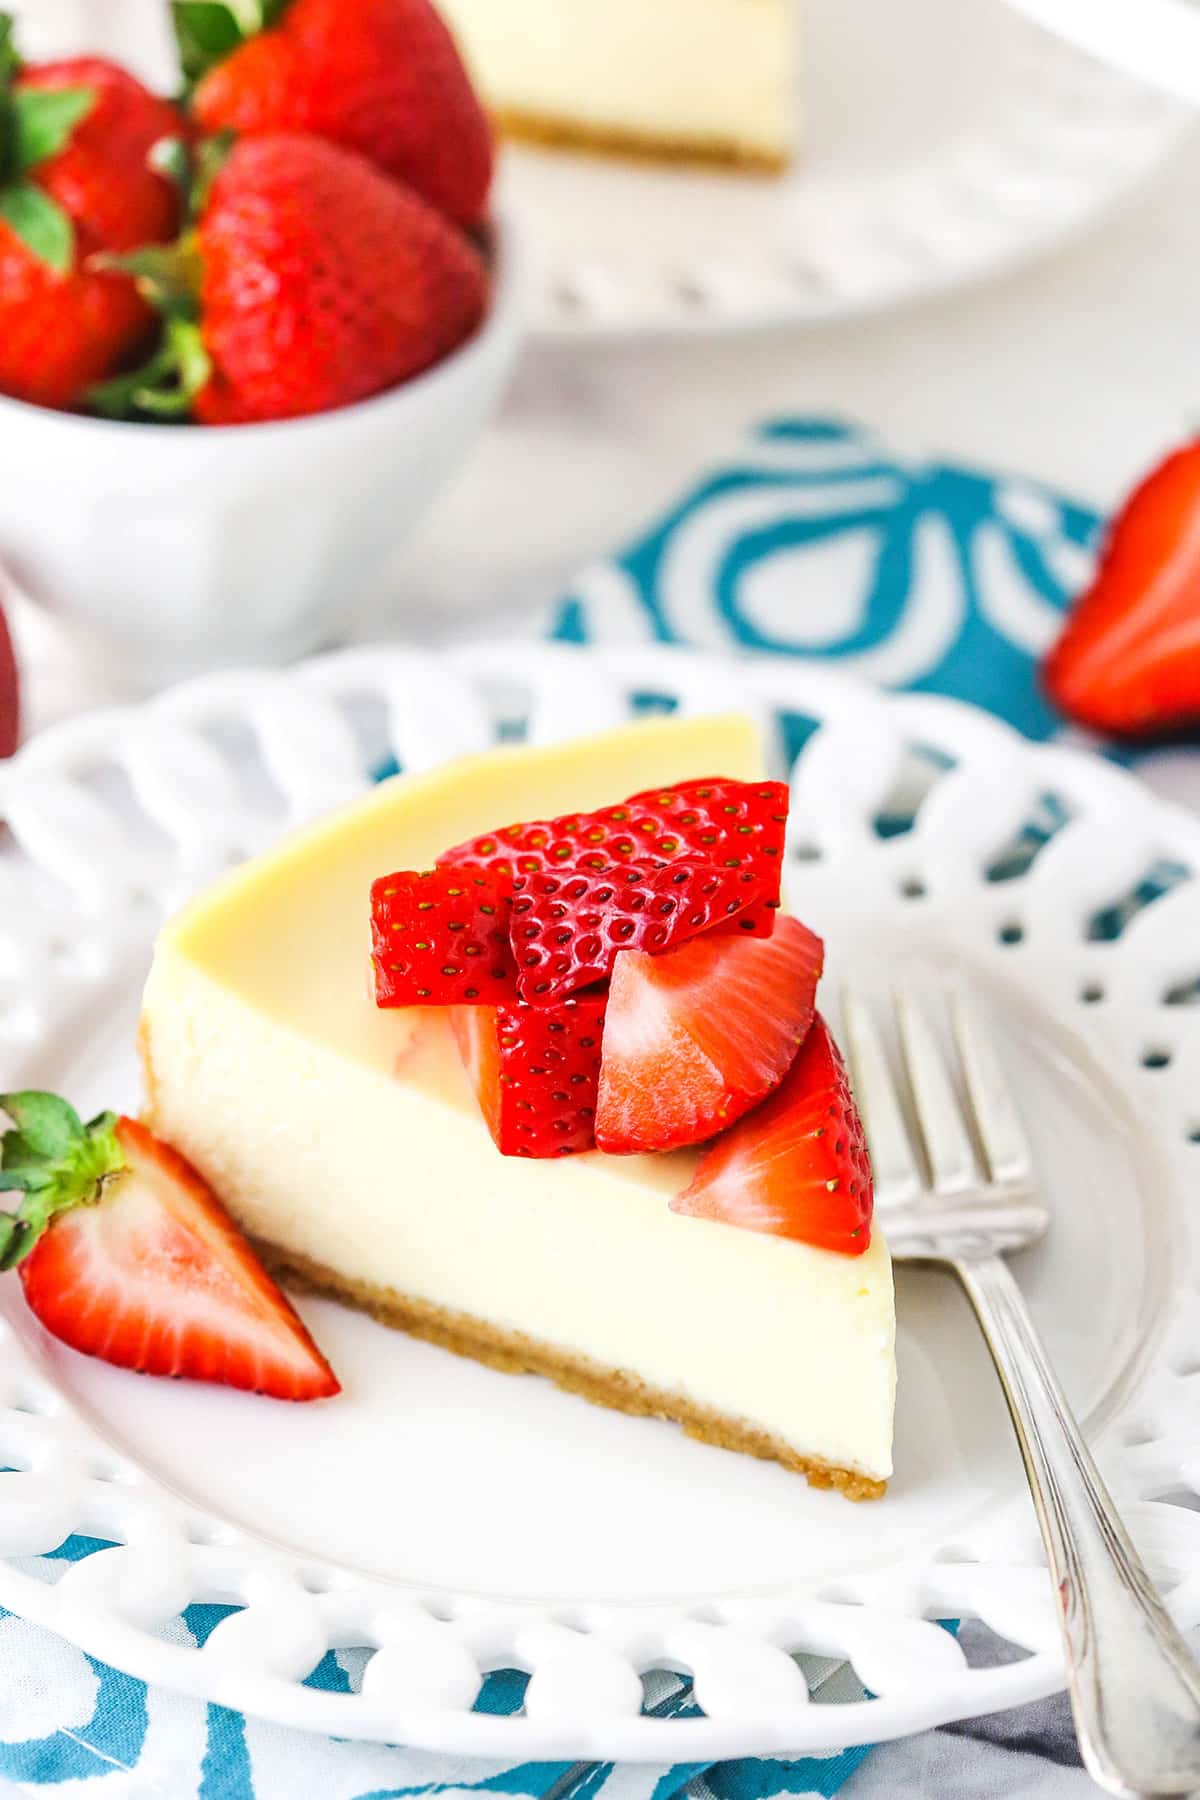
717,72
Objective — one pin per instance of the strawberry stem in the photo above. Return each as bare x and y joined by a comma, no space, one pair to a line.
207,31
54,1161
165,386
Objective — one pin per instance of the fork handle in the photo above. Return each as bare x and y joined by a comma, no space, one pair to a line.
1134,1685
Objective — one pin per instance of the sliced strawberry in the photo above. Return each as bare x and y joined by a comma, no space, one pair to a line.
693,1039
568,928
740,823
1128,662
587,885
535,1070
797,1166
126,1253
440,937
737,825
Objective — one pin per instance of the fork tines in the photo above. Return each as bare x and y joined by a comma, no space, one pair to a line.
954,1175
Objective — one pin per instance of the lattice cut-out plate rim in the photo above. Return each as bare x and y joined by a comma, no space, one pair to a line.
586,1660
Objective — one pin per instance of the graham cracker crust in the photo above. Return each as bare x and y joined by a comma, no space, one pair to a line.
516,1354
615,140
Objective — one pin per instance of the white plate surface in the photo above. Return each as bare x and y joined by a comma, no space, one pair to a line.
941,144
466,1520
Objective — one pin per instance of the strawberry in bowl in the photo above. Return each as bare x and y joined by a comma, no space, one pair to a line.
77,184
323,331
382,77
307,281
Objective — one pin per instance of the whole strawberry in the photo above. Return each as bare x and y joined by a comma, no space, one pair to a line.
76,179
307,281
381,76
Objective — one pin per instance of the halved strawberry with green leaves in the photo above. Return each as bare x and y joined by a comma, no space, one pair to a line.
797,1166
534,1070
439,937
589,884
695,1038
126,1253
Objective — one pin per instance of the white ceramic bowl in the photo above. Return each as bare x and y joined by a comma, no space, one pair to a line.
176,550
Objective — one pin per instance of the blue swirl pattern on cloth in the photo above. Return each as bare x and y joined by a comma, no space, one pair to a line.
814,540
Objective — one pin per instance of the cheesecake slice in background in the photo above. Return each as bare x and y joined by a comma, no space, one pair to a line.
696,80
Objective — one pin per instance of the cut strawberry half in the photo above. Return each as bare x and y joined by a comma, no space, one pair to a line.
736,827
797,1166
695,1038
440,937
535,1071
126,1253
1128,662
569,927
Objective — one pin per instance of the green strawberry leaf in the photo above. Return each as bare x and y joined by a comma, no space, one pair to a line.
40,223
9,65
53,1159
171,158
210,159
10,62
167,275
164,387
44,1126
207,31
44,120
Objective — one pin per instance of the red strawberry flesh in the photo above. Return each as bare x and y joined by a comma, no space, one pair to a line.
64,328
797,1166
695,1038
382,77
1128,661
645,874
569,928
440,938
535,1070
10,702
324,282
155,1276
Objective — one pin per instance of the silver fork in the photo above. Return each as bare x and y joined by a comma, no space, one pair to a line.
1134,1685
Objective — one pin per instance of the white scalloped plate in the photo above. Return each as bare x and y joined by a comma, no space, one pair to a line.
936,150
458,1520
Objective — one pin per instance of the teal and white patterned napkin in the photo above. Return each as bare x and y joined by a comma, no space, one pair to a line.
813,540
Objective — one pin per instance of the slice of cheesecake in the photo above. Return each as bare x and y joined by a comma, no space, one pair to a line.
348,1143
707,80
